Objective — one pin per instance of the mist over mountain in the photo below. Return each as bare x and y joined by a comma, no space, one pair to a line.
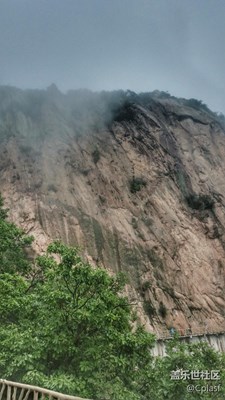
135,180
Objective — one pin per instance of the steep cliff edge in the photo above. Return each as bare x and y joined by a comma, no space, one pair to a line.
137,181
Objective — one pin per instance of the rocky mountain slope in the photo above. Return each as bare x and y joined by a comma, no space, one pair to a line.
137,181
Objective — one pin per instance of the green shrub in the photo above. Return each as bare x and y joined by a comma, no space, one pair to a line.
95,156
200,202
145,286
126,112
162,310
134,223
84,171
102,199
149,308
148,221
154,259
198,104
136,184
52,188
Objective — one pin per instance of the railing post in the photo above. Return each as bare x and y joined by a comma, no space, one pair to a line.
9,389
21,394
27,394
2,390
35,395
14,393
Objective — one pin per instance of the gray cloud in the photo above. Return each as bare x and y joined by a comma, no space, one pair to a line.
140,45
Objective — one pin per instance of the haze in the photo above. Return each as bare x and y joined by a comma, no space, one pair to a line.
141,45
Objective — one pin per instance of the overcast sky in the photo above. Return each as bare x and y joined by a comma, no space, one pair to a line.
141,45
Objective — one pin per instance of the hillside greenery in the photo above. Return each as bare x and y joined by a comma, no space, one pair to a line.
67,326
200,201
198,104
136,184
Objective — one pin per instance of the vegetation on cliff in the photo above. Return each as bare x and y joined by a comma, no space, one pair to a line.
66,326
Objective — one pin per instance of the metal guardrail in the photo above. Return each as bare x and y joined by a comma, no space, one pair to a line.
18,391
187,334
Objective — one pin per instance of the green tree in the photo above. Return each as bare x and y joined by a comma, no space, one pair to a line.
13,245
71,329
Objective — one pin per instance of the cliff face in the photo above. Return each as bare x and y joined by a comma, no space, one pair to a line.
136,181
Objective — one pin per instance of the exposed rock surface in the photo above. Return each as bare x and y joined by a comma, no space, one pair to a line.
136,181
